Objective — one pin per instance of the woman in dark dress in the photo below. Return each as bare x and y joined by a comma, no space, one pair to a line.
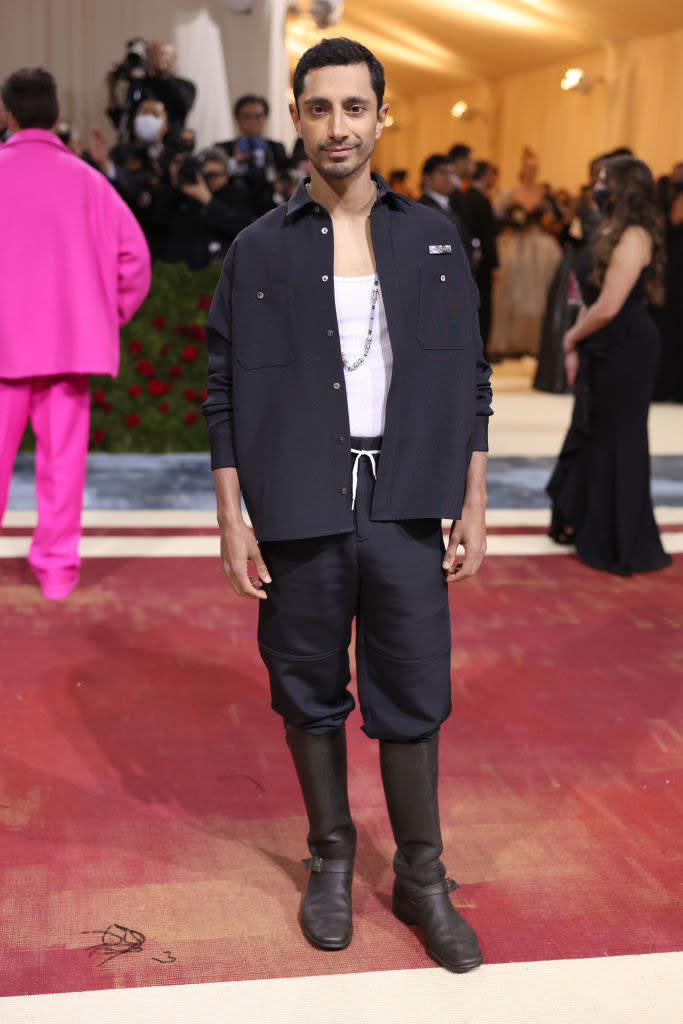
600,488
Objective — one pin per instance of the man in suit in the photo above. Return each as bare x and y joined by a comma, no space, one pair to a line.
480,223
460,156
348,400
69,239
437,188
253,160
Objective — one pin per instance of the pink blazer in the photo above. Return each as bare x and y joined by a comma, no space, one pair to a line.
74,263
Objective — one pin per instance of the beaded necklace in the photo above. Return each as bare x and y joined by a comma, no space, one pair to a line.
373,304
368,339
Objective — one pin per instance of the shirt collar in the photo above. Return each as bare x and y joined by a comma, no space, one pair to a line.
301,197
438,198
35,135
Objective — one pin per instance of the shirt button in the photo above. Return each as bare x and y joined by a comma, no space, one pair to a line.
316,209
323,231
443,277
336,385
325,277
330,334
259,295
340,440
343,490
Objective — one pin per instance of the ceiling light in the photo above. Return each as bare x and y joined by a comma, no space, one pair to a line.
459,109
572,78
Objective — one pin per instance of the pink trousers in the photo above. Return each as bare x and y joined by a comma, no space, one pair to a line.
59,409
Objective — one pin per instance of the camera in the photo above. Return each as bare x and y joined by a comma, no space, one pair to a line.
190,169
134,64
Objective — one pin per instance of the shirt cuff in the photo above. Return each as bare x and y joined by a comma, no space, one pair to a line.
481,434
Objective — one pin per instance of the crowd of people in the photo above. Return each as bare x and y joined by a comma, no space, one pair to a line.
524,245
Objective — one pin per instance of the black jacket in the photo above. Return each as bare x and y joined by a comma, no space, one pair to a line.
480,223
276,406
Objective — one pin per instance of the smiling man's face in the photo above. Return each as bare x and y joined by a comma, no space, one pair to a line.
338,120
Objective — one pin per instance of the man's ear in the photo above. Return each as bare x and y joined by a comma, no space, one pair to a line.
296,120
381,118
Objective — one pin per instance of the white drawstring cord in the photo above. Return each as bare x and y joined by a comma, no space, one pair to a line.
359,452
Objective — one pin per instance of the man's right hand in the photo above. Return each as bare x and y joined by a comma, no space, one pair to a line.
238,547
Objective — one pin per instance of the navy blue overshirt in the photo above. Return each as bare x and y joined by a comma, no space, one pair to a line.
276,406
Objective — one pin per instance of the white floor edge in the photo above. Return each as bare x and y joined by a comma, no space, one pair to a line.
644,989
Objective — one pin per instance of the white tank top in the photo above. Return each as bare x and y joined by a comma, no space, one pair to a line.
367,386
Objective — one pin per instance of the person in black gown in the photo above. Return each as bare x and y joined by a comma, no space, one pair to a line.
600,488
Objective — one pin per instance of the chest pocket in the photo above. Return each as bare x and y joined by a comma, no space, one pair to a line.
444,313
262,325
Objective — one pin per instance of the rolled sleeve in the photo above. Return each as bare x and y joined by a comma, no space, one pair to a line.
218,407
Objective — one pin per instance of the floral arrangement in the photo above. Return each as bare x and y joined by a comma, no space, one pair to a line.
154,405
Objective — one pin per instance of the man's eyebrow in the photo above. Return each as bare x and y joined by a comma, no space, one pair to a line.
325,99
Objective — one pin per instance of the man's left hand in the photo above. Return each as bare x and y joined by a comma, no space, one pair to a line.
470,532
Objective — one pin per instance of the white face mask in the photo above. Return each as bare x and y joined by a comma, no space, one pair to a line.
147,127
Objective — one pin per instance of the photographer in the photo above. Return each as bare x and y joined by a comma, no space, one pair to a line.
254,160
205,213
147,72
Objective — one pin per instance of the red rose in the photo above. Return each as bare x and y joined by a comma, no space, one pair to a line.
135,348
98,436
181,328
174,371
189,353
157,388
191,417
204,395
145,368
132,419
163,407
134,390
107,406
197,332
163,351
99,397
159,323
190,394
204,301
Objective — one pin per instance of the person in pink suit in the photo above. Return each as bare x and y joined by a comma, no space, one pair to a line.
74,267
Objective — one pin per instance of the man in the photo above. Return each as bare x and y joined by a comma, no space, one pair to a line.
437,187
253,159
74,266
480,224
460,156
152,78
348,399
204,213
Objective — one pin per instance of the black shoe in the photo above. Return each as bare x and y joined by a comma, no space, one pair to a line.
320,762
325,917
410,774
449,940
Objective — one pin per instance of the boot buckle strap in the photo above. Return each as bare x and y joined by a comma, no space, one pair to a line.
318,864
423,891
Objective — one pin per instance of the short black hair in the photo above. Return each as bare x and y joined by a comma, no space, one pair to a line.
481,169
30,95
459,151
250,98
433,162
339,52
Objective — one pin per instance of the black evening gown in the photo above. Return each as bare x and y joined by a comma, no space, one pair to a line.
600,487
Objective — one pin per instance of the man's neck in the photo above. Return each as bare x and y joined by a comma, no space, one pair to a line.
345,197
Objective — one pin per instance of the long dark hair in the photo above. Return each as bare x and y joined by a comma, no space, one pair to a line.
634,203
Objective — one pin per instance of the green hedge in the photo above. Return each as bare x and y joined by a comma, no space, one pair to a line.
154,405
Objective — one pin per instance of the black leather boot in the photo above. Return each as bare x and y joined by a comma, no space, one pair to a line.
320,762
410,775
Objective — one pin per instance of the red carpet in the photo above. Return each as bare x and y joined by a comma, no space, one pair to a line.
152,830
